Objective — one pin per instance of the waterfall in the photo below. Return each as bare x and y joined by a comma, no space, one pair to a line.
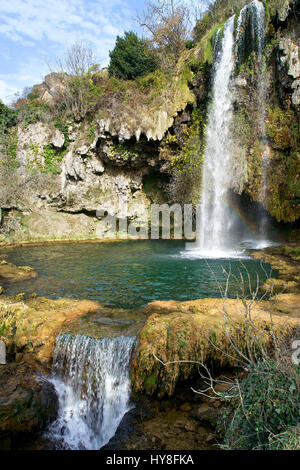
251,31
217,234
91,377
215,237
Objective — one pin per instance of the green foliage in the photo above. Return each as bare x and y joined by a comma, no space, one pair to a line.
283,128
269,403
190,44
242,127
191,156
8,138
31,112
207,43
7,117
186,163
131,58
155,81
52,159
92,131
287,440
218,12
123,150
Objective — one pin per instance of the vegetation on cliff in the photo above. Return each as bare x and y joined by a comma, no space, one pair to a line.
157,91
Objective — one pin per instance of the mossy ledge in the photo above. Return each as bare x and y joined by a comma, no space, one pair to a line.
29,327
195,330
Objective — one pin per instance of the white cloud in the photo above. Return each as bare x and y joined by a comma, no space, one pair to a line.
42,30
62,21
7,92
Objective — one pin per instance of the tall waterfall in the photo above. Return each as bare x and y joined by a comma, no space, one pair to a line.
91,377
217,232
215,236
252,16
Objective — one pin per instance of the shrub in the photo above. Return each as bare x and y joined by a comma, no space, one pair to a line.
131,58
267,404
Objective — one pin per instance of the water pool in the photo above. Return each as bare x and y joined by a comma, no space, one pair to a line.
126,274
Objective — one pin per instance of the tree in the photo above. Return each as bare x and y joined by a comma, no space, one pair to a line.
76,92
131,58
168,23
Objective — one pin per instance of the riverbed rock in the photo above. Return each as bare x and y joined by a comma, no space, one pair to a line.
286,260
147,427
206,414
28,402
11,273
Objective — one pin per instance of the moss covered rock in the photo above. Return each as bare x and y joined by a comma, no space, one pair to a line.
29,328
195,331
11,273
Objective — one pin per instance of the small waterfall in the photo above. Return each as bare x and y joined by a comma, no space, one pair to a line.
91,377
215,236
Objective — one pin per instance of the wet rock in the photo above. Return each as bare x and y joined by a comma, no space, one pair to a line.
206,414
28,403
11,273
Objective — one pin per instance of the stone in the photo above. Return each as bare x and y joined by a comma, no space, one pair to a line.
11,273
210,438
296,93
180,331
1,290
32,325
97,166
289,57
27,404
206,415
58,139
83,150
241,82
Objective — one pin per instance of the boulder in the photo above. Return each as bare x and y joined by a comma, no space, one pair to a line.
58,139
28,403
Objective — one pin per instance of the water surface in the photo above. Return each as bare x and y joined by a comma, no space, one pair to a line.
126,274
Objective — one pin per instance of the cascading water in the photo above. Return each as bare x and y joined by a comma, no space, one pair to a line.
215,237
217,233
252,25
91,377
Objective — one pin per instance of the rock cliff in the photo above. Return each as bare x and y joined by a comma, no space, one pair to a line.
141,145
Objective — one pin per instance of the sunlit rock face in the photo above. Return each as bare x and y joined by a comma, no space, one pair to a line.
81,168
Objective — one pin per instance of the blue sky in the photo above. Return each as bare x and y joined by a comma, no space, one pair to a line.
36,32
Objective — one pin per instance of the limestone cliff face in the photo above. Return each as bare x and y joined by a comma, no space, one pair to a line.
102,173
129,153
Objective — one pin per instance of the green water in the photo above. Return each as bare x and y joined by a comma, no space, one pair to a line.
126,274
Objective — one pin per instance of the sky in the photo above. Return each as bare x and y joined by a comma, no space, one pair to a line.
34,33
